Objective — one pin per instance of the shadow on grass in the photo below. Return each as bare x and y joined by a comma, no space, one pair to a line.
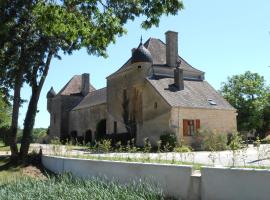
32,165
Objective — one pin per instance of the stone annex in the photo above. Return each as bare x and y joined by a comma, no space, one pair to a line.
154,92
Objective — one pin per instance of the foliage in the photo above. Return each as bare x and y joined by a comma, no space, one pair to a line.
55,141
68,187
147,145
213,141
34,32
182,149
104,146
257,142
235,141
249,94
5,111
168,141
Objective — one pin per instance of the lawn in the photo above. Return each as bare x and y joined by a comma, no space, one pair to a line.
28,182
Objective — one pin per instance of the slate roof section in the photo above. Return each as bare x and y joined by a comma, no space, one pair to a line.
96,97
196,94
51,93
157,48
73,87
141,54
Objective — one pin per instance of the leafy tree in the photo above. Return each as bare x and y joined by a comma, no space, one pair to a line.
5,111
249,94
35,31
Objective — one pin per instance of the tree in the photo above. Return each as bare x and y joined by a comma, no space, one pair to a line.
5,111
249,94
44,28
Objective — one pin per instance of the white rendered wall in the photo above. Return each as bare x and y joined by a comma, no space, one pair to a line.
174,180
235,184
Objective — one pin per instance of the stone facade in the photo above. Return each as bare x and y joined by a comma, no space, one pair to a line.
154,92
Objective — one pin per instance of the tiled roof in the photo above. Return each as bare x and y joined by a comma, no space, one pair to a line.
196,94
157,48
74,86
93,98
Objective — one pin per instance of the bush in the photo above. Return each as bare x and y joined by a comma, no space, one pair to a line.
55,141
257,142
168,141
235,141
182,149
213,141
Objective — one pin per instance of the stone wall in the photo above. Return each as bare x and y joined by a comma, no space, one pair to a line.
59,115
223,121
82,120
156,116
131,80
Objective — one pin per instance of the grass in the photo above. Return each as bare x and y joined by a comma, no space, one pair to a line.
5,148
25,182
67,187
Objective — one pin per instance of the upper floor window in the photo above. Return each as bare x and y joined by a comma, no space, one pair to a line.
155,105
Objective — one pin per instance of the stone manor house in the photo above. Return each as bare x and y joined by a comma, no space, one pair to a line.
154,92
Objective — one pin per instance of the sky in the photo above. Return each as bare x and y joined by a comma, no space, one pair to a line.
221,38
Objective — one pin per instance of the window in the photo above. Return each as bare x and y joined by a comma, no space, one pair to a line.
190,126
155,105
139,67
211,102
114,127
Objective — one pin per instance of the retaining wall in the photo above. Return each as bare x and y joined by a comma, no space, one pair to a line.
174,180
235,184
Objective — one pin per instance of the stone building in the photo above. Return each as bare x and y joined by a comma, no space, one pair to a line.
154,92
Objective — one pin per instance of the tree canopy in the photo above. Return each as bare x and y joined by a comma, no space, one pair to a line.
33,32
249,94
5,111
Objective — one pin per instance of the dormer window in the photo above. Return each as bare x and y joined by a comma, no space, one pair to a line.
211,102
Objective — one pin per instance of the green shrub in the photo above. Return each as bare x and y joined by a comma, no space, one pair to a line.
147,145
104,146
213,141
235,141
257,142
182,149
168,141
55,140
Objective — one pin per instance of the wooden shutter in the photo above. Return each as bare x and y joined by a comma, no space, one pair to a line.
198,124
185,127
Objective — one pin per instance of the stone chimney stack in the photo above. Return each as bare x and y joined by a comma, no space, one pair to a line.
85,84
179,78
171,48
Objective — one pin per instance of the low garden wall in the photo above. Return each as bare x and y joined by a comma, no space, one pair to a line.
234,184
174,180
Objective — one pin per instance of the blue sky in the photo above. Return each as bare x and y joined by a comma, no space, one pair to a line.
221,38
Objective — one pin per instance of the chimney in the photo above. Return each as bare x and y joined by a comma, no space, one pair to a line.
179,78
85,84
171,48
